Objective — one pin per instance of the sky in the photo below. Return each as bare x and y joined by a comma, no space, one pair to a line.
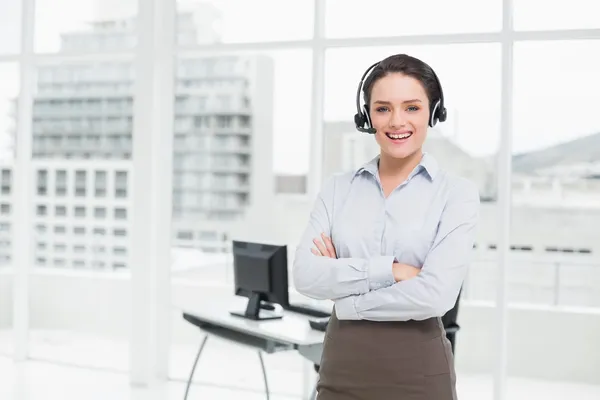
553,100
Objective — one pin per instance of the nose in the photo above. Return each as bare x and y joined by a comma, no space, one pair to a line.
397,119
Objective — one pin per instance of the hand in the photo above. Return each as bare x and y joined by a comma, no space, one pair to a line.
404,272
324,247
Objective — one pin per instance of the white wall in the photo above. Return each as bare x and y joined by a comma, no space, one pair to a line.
556,344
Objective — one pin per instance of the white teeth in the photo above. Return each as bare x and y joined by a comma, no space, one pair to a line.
404,136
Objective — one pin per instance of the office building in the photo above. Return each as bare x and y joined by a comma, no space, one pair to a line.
82,135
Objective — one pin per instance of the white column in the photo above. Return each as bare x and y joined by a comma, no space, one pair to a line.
315,168
504,203
152,190
22,225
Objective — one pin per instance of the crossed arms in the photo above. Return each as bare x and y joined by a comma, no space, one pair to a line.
377,288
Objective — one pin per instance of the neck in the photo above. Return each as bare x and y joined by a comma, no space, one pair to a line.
398,167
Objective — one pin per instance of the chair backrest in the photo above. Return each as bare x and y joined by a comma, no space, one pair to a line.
450,318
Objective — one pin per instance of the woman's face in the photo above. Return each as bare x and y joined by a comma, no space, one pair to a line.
399,111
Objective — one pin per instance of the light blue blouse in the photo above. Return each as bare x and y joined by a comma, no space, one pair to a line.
428,221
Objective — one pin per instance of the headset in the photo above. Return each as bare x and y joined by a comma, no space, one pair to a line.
362,120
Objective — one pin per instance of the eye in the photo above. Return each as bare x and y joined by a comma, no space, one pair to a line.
413,108
381,109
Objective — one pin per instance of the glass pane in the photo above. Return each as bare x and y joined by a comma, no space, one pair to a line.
242,21
239,120
556,167
355,18
82,127
10,26
9,92
6,313
542,15
89,26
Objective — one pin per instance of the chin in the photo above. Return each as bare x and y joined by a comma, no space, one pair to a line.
400,153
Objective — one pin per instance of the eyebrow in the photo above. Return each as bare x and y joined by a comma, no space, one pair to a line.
406,101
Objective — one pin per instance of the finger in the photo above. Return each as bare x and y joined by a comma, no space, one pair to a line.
315,252
329,246
321,247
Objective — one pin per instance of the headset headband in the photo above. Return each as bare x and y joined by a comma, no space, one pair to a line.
362,120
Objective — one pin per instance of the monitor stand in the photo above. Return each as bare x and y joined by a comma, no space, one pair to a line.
254,310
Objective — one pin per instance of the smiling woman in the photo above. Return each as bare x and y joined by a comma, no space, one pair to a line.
400,229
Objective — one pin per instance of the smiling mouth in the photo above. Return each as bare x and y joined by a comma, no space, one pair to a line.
398,137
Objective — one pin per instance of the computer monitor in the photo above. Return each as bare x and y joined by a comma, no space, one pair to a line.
260,273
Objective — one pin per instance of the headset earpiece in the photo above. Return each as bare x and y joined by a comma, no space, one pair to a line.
362,119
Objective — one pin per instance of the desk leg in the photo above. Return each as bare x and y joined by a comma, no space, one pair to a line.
262,364
313,395
194,366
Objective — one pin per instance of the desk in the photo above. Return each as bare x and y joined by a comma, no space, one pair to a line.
291,333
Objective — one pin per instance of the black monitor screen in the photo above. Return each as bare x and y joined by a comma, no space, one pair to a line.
261,271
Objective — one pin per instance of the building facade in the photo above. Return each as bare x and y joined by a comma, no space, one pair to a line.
82,149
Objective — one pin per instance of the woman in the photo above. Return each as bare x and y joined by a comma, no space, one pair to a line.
390,244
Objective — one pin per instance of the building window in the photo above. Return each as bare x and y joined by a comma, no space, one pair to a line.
41,210
121,184
6,181
120,213
5,209
100,184
80,212
185,235
61,183
60,211
99,212
42,182
80,183
120,232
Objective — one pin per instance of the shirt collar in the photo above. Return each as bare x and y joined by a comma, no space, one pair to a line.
428,164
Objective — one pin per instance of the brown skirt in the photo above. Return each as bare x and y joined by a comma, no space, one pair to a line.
367,360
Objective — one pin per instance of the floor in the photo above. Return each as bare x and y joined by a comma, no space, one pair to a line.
78,367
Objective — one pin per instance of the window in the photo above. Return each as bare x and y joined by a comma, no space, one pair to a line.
121,184
80,212
6,179
100,183
120,213
5,209
120,232
227,21
42,182
576,14
354,18
10,26
60,211
57,31
80,183
554,157
41,210
100,212
9,90
61,183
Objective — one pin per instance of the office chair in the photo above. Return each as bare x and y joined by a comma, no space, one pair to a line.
450,325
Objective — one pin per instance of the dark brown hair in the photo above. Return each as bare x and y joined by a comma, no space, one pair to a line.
406,65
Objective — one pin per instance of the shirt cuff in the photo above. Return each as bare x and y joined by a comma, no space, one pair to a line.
381,272
345,309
